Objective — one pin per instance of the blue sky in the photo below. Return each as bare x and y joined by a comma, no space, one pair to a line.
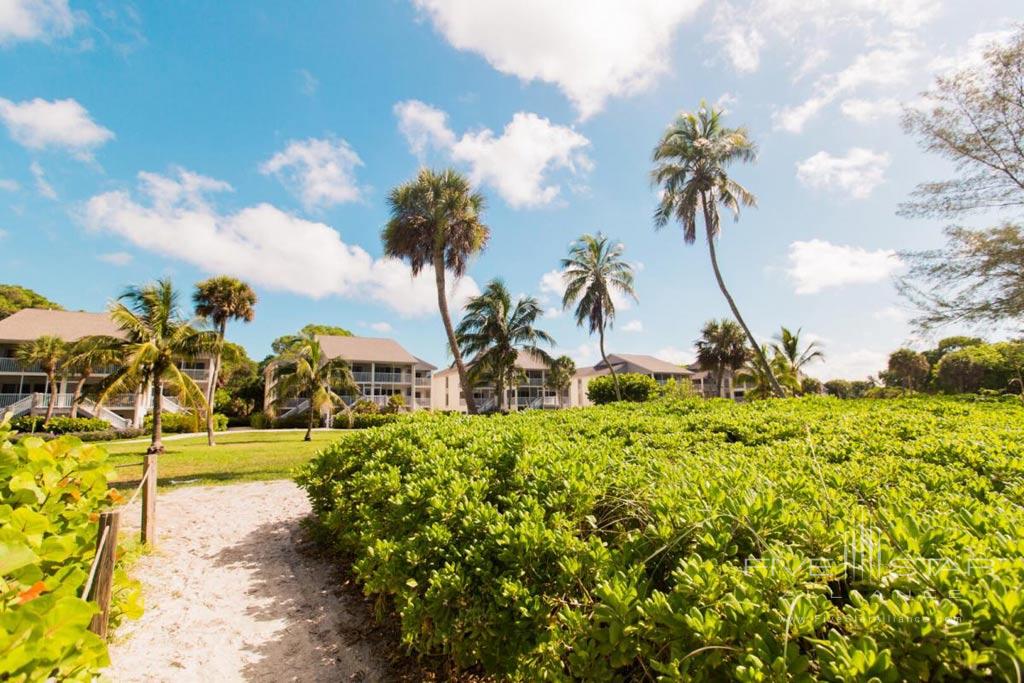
260,139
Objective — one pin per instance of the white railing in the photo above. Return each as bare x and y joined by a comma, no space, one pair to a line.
10,399
296,409
23,405
423,381
392,377
104,413
12,365
63,401
362,376
195,373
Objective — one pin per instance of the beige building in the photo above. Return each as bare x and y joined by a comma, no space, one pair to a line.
659,370
26,390
381,368
706,384
532,392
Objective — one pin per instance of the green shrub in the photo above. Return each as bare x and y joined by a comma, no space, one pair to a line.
365,406
58,425
297,421
364,421
984,366
259,421
800,539
395,404
634,387
672,389
49,495
186,423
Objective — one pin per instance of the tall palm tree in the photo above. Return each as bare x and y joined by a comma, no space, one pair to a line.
49,353
436,221
560,375
493,332
84,358
594,270
221,299
691,167
781,371
157,337
304,371
722,348
787,344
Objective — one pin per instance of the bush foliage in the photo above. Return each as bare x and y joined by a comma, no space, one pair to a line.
59,424
50,493
634,387
186,423
776,540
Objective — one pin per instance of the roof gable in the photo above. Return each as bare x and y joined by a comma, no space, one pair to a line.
32,323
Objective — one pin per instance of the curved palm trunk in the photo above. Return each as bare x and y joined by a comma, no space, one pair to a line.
776,388
77,398
157,444
604,357
211,390
53,399
309,428
453,344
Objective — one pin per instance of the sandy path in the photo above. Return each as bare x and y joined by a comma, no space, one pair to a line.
236,592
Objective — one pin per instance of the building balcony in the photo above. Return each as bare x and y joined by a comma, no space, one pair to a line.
196,373
12,365
423,380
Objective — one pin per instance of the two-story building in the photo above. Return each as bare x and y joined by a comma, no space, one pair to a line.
381,368
25,389
706,382
530,392
660,370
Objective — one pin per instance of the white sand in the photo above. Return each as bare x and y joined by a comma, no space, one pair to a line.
235,591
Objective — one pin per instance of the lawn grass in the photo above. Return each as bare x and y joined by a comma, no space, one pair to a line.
245,456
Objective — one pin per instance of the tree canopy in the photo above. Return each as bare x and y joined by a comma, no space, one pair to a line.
13,298
282,344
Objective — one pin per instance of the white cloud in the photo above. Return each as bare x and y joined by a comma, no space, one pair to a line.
808,27
381,327
852,365
308,83
43,186
424,127
260,243
116,258
24,20
65,124
633,326
676,355
857,174
8,185
815,265
866,111
887,66
971,53
320,171
893,313
591,49
517,163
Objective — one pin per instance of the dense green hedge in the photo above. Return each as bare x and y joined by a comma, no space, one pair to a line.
58,424
186,423
50,493
632,385
794,540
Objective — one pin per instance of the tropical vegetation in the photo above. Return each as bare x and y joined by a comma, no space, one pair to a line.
303,371
691,162
629,386
49,495
220,300
492,333
14,298
560,374
594,273
436,221
805,539
722,350
48,354
156,339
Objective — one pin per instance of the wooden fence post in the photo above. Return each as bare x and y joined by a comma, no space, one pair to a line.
149,499
103,584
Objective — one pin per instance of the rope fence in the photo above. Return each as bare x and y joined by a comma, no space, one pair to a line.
99,585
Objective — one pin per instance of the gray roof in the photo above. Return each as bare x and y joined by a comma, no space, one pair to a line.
367,349
31,323
525,361
646,363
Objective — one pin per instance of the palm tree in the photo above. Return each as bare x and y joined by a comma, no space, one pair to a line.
787,344
594,271
157,338
691,162
49,353
84,358
494,330
303,371
220,299
781,371
722,348
436,221
560,375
